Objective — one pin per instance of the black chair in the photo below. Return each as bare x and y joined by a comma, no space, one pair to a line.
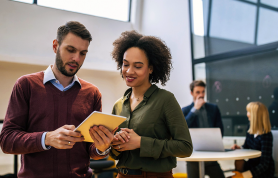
100,166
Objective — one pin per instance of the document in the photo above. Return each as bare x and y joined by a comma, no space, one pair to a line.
110,121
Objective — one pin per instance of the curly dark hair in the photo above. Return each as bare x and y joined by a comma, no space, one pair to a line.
158,54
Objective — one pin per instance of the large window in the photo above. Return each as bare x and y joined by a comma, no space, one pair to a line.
219,26
112,9
234,50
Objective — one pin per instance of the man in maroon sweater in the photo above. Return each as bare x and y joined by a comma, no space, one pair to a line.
45,108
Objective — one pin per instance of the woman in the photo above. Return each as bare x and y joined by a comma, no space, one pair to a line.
258,137
155,132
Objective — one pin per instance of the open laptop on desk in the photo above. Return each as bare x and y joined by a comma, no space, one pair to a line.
207,139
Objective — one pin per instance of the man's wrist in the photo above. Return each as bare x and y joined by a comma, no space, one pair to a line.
104,152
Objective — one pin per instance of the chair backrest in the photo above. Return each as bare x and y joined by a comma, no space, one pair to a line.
275,150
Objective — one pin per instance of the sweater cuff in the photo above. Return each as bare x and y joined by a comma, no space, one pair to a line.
43,142
39,141
247,174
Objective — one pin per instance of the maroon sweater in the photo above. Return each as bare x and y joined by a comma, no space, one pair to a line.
35,108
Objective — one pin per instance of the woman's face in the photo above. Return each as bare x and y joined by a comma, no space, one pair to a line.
135,68
248,115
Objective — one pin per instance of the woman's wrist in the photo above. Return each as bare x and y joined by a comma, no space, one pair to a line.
139,142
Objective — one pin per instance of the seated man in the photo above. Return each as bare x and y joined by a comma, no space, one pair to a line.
202,115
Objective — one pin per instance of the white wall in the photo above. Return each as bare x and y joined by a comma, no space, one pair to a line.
169,20
110,84
27,32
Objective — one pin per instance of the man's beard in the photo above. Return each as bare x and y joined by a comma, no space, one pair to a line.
62,67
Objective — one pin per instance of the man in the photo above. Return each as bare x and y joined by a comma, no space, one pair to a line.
202,115
45,108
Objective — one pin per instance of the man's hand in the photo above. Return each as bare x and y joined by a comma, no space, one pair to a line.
63,137
133,143
102,137
199,102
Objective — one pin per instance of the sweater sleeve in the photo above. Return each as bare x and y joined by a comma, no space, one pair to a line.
180,145
14,138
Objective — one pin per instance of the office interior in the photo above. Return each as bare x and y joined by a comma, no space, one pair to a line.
230,44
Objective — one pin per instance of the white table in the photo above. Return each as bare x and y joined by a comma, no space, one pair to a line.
202,156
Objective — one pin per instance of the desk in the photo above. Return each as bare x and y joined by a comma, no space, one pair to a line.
202,156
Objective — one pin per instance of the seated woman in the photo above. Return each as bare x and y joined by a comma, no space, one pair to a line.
258,137
155,132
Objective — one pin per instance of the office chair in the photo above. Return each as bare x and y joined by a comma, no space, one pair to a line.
100,166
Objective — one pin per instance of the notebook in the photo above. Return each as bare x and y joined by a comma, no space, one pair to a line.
110,121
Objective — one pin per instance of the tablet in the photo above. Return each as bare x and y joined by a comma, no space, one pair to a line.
110,121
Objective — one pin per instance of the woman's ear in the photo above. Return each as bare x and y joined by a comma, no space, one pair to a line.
150,69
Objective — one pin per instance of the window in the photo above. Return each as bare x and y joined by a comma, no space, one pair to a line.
112,9
234,50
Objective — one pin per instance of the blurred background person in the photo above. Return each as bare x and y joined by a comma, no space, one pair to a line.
201,114
258,137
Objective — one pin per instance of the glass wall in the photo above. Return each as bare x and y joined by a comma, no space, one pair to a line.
234,50
220,26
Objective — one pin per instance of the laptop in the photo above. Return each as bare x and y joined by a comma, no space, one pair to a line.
207,139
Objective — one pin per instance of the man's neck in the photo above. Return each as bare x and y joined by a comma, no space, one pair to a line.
64,80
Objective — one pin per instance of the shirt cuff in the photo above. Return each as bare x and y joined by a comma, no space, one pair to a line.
247,174
103,153
194,110
43,142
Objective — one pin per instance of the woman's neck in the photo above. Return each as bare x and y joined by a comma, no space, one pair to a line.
138,92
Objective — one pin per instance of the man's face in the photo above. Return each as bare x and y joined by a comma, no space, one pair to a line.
70,54
198,92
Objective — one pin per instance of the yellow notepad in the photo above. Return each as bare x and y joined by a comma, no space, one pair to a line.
110,121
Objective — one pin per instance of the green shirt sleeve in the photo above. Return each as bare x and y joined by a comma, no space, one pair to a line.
117,108
180,145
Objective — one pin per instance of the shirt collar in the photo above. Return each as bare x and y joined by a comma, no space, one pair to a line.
49,75
147,94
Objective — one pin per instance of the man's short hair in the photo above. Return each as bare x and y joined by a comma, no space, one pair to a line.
197,83
74,27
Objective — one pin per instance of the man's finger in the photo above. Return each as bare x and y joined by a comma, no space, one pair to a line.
69,127
113,131
95,136
70,133
106,132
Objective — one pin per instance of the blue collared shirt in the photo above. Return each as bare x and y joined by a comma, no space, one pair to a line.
50,77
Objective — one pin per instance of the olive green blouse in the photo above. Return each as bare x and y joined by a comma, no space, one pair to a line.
159,121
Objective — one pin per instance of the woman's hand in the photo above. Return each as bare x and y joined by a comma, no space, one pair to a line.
133,143
235,146
237,175
121,136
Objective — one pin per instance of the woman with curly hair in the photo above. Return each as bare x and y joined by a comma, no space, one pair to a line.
155,132
258,137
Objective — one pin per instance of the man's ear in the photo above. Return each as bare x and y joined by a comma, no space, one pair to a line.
191,93
55,46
